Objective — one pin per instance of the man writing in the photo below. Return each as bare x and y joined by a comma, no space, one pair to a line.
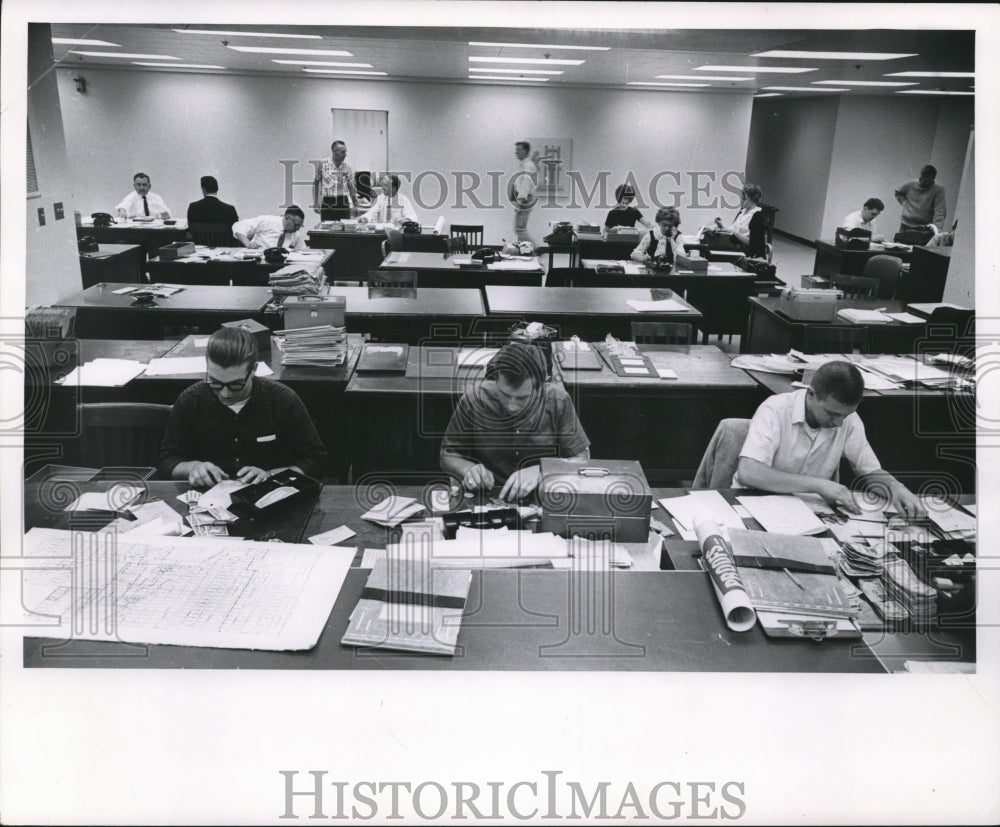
235,425
391,206
335,185
796,441
266,231
864,219
503,426
923,202
142,202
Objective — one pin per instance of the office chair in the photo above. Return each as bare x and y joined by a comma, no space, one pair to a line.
959,324
661,333
722,456
471,233
393,242
392,278
887,270
213,235
126,434
825,338
855,287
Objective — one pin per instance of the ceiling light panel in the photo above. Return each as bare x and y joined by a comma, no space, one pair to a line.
323,63
832,55
274,50
539,46
501,77
250,34
517,71
342,71
701,77
863,83
531,61
179,65
756,70
73,41
930,75
803,89
121,54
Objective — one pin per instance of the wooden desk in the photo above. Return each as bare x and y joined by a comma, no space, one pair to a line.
411,315
928,273
589,312
770,331
113,262
221,271
436,270
150,236
357,252
100,313
832,260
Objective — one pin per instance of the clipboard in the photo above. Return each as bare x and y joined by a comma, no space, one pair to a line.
798,627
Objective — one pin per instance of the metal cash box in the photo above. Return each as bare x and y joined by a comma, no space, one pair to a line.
602,497
310,311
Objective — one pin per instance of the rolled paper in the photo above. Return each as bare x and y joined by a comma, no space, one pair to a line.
729,589
438,225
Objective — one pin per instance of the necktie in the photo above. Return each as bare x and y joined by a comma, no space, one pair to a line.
281,241
145,206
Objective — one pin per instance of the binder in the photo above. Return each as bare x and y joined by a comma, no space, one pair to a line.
569,356
383,358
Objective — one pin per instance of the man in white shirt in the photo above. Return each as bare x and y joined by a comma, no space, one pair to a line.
391,207
796,441
142,202
864,219
266,231
521,190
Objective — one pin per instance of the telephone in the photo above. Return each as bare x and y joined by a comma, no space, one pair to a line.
410,228
275,255
102,219
87,244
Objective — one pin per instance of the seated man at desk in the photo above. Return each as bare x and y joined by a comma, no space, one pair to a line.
624,214
235,425
142,202
864,219
210,210
663,240
503,426
796,441
391,206
266,231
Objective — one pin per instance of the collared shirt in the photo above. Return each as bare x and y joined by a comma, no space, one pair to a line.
132,204
266,231
393,211
272,430
642,248
482,431
335,181
854,221
524,182
781,438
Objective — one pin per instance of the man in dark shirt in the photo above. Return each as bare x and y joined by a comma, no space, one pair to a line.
236,425
502,427
210,210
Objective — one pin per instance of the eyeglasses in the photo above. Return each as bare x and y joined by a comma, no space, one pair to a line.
232,387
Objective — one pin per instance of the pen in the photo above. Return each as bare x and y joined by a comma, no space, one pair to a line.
788,574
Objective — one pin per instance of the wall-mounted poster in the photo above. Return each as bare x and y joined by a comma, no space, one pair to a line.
553,157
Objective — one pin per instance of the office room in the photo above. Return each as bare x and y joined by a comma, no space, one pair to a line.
424,409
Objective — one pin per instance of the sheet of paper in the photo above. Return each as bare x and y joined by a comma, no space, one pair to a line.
180,365
157,509
701,505
393,510
666,373
948,518
331,537
657,306
218,495
370,556
121,291
199,341
783,514
105,373
906,318
264,595
114,499
398,258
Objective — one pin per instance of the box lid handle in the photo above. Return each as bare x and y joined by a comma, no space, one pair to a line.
591,471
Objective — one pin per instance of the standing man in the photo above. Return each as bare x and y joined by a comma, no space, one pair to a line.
923,202
266,231
210,210
142,202
521,190
864,219
335,184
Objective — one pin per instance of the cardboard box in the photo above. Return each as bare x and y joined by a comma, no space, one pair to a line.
261,333
310,311
595,498
176,249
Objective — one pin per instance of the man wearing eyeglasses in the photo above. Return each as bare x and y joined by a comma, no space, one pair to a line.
235,425
266,231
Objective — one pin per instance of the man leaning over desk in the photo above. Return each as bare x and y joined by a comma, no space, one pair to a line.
796,442
235,425
267,231
502,427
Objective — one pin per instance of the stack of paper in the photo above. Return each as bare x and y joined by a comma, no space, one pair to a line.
782,514
297,280
114,499
697,506
856,315
861,560
903,586
906,369
180,365
529,264
323,345
658,306
768,364
950,521
393,510
107,373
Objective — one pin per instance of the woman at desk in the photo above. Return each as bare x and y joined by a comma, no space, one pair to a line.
663,240
624,214
748,229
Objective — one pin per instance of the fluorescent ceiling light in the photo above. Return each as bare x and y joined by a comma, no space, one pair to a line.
654,83
700,77
322,63
274,50
539,46
501,77
862,83
518,71
73,41
180,65
770,95
832,55
755,70
343,72
249,34
930,92
931,75
542,61
803,89
120,54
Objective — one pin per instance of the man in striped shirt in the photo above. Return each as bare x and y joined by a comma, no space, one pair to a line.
335,185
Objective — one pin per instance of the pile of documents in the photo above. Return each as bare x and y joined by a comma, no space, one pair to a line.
908,369
903,586
210,522
322,345
107,373
952,523
297,280
393,510
856,315
861,560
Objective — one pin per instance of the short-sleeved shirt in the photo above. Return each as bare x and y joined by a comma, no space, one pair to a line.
482,431
781,438
623,217
335,181
855,221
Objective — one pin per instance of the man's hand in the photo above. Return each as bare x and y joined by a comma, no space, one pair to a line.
250,474
906,503
121,214
362,220
206,474
477,477
839,496
520,484
163,215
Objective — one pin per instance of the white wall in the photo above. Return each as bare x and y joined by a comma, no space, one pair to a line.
177,127
961,285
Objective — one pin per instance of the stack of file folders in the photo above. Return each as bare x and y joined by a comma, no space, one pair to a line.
297,280
903,586
856,315
323,345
